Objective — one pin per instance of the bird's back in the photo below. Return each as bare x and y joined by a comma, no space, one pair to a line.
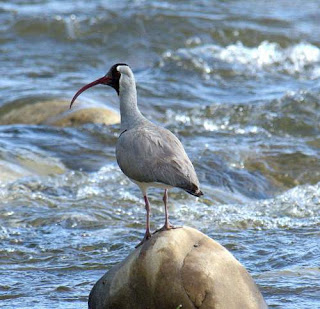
148,153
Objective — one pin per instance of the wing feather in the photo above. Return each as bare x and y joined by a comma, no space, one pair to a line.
154,154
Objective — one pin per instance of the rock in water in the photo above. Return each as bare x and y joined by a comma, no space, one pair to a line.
56,113
177,267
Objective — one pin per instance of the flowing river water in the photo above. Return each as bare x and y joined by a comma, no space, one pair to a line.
237,81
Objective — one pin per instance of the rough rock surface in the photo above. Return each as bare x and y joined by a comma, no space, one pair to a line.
177,267
57,113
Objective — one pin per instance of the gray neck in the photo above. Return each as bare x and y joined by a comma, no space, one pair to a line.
130,114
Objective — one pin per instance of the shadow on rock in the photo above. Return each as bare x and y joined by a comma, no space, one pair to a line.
180,267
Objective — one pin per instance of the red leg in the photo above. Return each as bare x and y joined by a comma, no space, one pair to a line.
147,234
167,225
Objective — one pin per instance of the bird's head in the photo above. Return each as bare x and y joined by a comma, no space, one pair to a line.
112,79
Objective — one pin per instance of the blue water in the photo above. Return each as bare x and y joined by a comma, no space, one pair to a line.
237,81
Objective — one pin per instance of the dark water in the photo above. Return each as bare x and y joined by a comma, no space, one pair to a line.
237,81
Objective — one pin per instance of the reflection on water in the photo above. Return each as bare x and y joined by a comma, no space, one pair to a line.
237,81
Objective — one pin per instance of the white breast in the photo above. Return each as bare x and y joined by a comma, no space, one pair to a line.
145,185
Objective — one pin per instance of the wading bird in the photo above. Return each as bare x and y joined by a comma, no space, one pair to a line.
151,156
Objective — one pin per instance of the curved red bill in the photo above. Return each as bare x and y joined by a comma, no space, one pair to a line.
102,80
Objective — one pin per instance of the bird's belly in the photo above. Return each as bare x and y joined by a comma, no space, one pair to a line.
145,185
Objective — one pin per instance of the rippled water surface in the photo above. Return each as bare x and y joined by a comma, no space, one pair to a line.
237,81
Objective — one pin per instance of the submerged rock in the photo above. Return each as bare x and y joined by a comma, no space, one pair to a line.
10,172
56,113
180,267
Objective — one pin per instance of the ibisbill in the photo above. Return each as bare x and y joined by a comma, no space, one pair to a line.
149,155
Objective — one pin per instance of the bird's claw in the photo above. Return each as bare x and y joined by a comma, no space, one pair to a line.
147,236
166,227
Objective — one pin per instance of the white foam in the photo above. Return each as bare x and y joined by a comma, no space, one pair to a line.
298,207
213,125
302,58
97,183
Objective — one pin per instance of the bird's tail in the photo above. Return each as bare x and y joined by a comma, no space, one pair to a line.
194,191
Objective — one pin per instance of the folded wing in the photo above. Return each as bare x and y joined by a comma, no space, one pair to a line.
154,154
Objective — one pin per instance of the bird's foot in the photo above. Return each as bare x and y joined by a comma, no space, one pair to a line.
147,236
166,227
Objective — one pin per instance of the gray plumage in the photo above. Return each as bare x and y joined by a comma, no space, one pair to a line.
149,155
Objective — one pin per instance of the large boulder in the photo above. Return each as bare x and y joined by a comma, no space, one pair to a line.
180,268
56,113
